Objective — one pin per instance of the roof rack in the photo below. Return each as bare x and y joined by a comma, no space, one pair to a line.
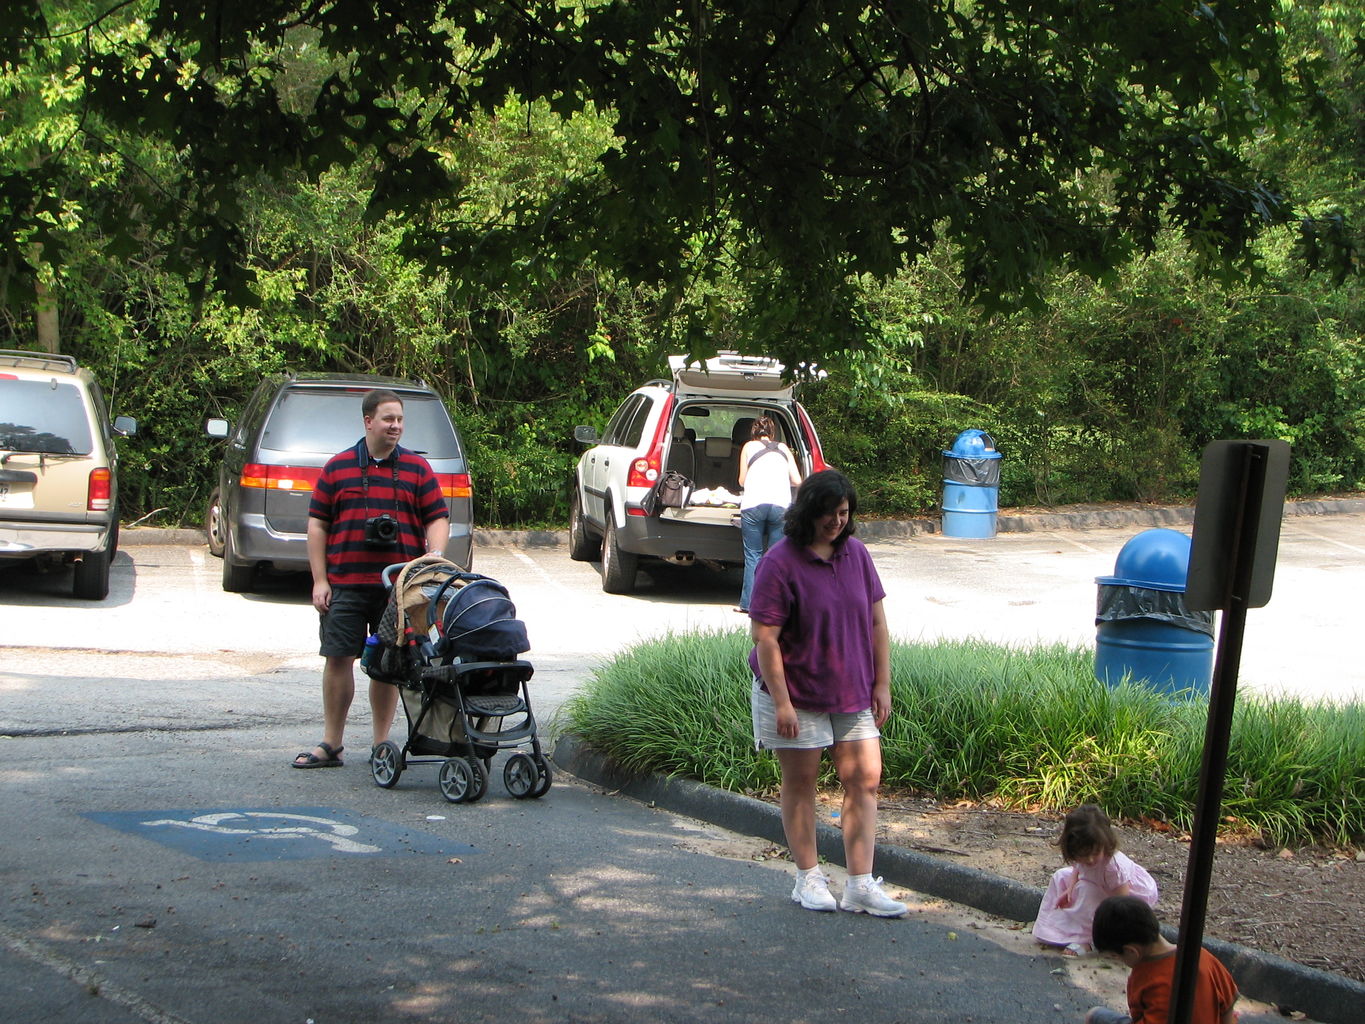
38,360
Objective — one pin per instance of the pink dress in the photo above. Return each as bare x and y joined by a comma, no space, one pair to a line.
1087,886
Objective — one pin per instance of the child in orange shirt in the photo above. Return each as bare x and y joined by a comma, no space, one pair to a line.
1127,927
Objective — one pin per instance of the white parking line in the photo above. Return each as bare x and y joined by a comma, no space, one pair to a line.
1299,532
539,570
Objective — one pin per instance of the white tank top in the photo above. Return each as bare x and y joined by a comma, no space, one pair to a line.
768,481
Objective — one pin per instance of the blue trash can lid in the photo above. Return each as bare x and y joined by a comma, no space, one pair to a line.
973,444
1157,559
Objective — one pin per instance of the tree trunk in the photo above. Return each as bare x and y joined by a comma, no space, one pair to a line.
49,330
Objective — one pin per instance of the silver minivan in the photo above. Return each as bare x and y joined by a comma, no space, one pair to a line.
258,514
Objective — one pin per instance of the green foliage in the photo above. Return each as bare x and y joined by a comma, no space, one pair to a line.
1030,728
518,244
792,148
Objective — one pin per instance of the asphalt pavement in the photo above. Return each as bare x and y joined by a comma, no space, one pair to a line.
158,872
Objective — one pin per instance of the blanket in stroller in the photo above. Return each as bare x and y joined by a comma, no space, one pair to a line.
439,614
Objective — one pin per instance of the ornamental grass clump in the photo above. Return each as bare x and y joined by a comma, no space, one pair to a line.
1028,728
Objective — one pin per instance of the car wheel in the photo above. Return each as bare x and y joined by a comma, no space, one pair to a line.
618,567
91,582
581,546
214,527
237,578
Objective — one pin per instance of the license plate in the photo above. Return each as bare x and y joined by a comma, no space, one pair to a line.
12,496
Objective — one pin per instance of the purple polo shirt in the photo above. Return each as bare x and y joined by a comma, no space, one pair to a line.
825,611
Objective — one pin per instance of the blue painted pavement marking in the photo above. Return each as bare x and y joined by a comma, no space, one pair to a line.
276,833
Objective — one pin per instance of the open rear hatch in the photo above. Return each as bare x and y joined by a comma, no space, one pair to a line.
730,375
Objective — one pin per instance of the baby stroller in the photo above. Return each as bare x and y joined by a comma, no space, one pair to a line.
449,641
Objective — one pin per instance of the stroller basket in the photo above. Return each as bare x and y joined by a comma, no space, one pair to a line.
449,709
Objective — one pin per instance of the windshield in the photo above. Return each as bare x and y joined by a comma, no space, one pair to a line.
44,416
318,420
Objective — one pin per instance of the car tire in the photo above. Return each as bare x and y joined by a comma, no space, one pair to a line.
237,578
91,581
214,528
581,542
618,567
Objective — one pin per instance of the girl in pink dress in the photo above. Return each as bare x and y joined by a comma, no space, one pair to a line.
1095,870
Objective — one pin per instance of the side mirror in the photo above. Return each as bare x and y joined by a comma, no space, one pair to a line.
216,428
125,426
585,435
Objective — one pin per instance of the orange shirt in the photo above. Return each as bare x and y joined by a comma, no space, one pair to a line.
1149,990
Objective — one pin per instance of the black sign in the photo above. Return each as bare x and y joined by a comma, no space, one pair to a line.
1237,524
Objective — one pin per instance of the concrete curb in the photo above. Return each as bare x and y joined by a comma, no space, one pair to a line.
1324,997
1072,517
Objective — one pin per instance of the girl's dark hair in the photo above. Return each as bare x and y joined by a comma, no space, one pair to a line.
819,495
1085,830
762,427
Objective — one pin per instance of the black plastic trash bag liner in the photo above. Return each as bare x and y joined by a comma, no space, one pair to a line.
973,472
479,622
1116,603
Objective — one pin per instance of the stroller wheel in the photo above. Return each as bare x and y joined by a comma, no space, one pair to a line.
543,784
457,780
480,776
520,776
386,764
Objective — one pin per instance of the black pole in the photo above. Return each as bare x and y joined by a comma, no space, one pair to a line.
1222,698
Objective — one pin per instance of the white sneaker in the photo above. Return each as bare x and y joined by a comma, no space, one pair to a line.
812,892
868,898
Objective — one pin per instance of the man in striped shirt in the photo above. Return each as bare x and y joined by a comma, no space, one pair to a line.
374,505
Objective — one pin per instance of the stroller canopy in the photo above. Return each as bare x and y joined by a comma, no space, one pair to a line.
479,621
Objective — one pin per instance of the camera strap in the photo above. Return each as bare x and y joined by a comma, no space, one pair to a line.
362,454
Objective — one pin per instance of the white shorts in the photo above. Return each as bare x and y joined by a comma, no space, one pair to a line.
815,729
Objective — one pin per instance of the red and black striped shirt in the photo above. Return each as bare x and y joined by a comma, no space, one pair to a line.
354,487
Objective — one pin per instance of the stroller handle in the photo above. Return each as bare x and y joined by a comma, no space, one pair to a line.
386,574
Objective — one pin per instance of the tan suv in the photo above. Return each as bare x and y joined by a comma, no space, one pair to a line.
58,468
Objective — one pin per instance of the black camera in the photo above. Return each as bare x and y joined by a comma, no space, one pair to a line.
381,531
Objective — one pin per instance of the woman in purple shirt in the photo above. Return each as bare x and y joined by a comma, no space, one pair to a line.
822,678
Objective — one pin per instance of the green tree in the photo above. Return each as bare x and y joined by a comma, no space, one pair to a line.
803,144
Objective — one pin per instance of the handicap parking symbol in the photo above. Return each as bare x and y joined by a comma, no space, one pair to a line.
276,833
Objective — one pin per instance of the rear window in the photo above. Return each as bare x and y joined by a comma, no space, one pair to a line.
44,416
316,420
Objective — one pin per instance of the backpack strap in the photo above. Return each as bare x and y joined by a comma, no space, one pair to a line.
768,446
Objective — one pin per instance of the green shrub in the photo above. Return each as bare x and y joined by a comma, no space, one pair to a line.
1031,728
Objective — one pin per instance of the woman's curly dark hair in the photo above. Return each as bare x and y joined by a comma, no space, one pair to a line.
818,496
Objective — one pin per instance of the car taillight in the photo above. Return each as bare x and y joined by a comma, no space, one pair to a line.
100,490
456,485
817,454
644,471
279,478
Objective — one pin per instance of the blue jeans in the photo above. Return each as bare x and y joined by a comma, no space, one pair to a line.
759,527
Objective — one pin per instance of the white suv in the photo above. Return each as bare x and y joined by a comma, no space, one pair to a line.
694,424
58,468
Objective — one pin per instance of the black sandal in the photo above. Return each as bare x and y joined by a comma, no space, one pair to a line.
308,759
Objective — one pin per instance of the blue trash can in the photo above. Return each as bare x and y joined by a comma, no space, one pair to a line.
1143,628
971,485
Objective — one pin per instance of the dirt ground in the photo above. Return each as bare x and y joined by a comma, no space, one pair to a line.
1306,905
